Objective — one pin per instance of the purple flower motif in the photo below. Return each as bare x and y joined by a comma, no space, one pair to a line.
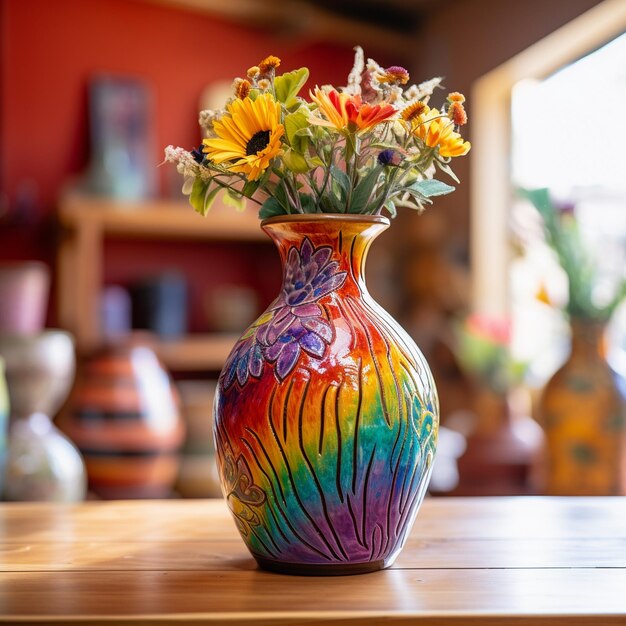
309,275
295,323
246,359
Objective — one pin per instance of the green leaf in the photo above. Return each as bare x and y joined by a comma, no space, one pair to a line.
297,130
391,207
234,199
281,195
430,188
287,86
414,202
295,162
541,199
270,208
363,190
444,167
201,198
341,179
250,188
196,197
331,204
307,203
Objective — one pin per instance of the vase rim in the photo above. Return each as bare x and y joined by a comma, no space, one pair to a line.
325,217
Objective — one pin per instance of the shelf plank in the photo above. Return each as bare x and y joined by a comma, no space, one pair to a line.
196,352
161,218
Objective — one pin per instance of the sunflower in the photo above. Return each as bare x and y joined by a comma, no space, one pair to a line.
248,136
346,112
436,130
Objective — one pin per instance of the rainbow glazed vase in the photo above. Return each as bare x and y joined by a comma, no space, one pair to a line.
326,414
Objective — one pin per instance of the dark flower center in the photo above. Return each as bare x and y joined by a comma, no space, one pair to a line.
198,155
258,142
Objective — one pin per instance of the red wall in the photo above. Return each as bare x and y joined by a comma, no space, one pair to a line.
50,49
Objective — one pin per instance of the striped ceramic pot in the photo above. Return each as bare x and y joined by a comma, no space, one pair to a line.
124,416
326,414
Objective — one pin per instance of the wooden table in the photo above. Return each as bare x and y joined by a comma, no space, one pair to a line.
468,561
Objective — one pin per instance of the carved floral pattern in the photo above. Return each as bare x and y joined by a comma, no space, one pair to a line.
295,323
242,495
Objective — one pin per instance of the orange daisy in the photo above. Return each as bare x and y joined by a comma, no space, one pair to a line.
347,112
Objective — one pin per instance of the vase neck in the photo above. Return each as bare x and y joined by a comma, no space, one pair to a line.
587,339
322,253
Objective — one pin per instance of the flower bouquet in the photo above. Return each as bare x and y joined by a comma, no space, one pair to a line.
372,146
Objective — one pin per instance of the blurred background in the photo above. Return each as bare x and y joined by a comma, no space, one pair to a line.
119,305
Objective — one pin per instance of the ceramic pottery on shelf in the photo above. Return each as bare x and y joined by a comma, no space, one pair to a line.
24,287
41,463
326,414
583,416
504,446
124,416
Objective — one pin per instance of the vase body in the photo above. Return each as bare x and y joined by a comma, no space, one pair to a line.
41,463
326,414
504,447
123,414
582,413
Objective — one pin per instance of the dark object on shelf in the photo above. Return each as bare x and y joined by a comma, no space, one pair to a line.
159,304
115,312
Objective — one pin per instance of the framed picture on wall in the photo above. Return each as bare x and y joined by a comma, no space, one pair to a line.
122,156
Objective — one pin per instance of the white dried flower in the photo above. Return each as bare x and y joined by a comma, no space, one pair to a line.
373,67
424,90
356,74
376,72
394,94
208,116
185,163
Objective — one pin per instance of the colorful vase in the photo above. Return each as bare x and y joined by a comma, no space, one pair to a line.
326,414
583,416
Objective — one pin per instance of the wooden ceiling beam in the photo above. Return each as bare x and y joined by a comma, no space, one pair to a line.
297,19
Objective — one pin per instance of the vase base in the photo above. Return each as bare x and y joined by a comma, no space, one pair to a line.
307,569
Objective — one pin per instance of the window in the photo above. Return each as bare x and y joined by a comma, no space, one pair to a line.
528,130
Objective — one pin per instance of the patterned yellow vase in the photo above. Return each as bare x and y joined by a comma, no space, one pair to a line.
582,414
326,414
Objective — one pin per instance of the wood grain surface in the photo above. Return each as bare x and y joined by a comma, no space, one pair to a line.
468,561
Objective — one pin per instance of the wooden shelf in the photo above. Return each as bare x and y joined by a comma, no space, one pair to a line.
161,219
196,352
87,220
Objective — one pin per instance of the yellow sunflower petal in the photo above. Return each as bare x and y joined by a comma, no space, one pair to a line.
247,120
